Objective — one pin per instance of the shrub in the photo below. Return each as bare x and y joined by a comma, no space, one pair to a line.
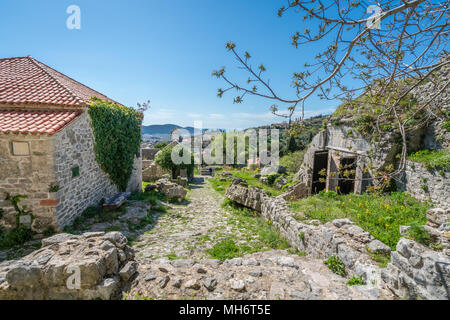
164,159
336,265
117,132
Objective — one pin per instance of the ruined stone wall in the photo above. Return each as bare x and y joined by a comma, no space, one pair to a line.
74,148
426,184
28,175
340,237
415,271
152,171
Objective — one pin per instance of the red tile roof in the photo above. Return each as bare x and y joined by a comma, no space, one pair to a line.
24,80
35,122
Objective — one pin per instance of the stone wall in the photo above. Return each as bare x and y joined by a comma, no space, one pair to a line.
426,184
74,147
415,271
51,161
340,237
152,171
342,141
29,175
149,153
94,265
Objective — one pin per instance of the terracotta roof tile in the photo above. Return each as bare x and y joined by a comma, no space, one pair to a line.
24,80
35,122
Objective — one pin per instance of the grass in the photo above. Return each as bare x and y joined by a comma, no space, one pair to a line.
260,235
381,215
432,160
248,175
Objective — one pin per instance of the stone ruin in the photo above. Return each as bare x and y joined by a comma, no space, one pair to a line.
415,271
104,262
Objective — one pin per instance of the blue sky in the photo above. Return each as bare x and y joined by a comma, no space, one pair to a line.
164,51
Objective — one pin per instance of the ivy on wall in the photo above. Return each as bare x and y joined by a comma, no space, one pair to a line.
117,132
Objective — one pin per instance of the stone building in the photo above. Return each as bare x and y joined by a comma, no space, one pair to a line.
46,145
340,147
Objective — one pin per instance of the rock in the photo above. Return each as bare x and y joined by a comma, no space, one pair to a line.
287,262
128,271
150,187
57,238
162,282
210,283
117,238
171,189
437,216
341,222
280,182
237,285
164,269
183,263
377,246
256,273
89,263
273,169
177,283
22,275
200,269
192,284
212,262
237,181
149,276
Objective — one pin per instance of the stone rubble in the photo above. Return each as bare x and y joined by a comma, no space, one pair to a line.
272,274
353,246
105,262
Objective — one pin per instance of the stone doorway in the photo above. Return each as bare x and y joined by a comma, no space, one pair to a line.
347,171
320,167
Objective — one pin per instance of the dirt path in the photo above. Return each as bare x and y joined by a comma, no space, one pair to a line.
188,230
174,262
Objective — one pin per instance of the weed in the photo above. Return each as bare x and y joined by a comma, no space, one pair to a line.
356,281
335,265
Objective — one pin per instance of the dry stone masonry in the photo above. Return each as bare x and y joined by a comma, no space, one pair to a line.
426,275
104,260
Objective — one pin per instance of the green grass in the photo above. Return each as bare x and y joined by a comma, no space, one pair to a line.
435,159
381,215
222,186
259,235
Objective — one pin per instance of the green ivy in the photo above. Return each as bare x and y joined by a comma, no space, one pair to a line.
117,132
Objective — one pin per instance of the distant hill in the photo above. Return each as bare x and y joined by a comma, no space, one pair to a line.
163,129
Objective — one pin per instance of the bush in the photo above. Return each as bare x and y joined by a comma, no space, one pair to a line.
17,236
117,132
336,265
164,159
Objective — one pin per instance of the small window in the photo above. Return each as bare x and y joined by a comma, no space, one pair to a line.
75,172
20,148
